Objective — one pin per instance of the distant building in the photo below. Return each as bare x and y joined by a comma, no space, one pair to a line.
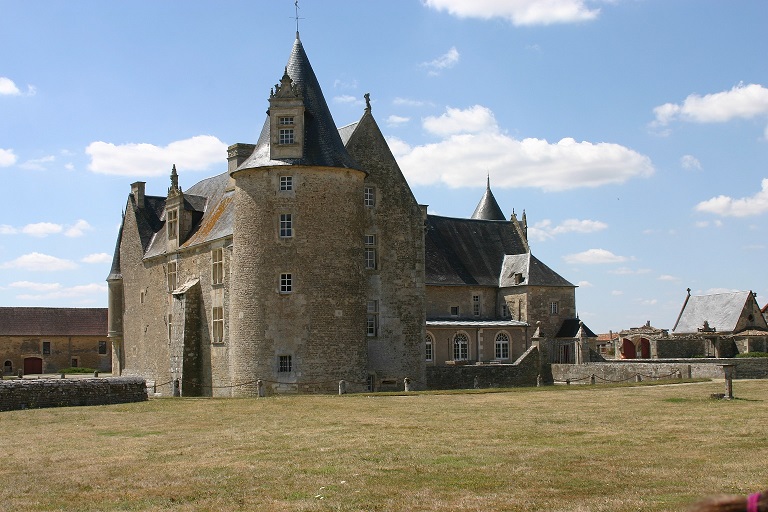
723,313
46,340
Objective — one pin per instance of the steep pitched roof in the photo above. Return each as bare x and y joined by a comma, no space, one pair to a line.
722,311
570,329
468,251
322,144
53,321
531,270
488,208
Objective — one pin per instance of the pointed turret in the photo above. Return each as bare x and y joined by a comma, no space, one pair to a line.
488,208
299,129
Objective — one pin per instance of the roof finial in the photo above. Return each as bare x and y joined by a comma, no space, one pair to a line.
367,97
488,180
296,4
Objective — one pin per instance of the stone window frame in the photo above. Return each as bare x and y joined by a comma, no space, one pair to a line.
173,275
172,223
370,252
46,348
285,225
505,309
286,183
74,362
455,310
461,346
369,196
217,324
554,307
217,266
286,283
429,347
286,130
102,348
502,343
372,318
475,305
284,363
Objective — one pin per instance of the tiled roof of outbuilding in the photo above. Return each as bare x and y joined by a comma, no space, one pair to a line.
532,270
467,251
53,321
721,311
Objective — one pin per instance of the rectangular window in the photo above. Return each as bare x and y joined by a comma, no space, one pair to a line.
370,252
428,351
553,307
286,182
102,347
171,276
504,310
454,310
217,325
172,218
475,305
286,225
286,136
286,120
170,327
373,318
285,364
46,348
286,283
370,197
217,266
75,362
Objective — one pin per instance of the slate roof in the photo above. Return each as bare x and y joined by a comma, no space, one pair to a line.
53,321
532,270
468,251
488,208
570,329
721,310
322,144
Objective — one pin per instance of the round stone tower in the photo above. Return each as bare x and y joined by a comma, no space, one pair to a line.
298,298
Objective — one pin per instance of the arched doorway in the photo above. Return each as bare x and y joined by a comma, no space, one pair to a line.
645,348
8,367
628,349
33,365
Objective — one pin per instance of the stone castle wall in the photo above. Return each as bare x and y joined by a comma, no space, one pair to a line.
38,393
627,370
523,372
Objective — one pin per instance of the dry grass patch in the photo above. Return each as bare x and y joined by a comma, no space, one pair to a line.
557,449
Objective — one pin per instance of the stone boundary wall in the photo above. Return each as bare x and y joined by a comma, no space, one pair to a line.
523,372
627,370
38,393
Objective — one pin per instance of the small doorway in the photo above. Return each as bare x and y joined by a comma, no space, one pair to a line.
645,348
8,367
33,365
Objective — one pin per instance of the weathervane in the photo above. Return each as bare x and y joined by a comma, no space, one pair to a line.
296,5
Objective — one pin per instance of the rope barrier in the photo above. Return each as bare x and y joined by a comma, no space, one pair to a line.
635,376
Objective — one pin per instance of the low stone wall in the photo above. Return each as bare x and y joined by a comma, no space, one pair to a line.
39,393
523,372
628,370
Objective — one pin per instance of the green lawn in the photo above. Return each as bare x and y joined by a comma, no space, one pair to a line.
576,448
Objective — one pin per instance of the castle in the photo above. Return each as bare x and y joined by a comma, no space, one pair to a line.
310,262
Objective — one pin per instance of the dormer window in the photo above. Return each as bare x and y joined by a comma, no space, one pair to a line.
172,219
286,125
286,131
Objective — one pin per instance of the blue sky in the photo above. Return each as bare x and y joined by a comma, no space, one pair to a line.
634,133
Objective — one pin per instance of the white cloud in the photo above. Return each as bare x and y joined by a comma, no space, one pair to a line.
585,284
743,207
742,101
594,256
42,229
625,271
519,12
194,154
78,229
37,164
394,120
56,291
38,262
648,302
347,99
38,287
667,277
616,293
7,158
690,162
475,119
342,84
473,146
544,230
445,61
5,229
9,88
406,102
100,257
398,147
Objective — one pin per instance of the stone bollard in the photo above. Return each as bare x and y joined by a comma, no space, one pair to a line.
96,374
20,373
342,387
260,388
638,378
679,374
538,380
592,379
567,382
728,370
176,388
63,375
407,384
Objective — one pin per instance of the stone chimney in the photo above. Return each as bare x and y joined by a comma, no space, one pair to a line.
137,190
237,154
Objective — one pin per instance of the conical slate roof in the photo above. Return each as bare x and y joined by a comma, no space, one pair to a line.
322,143
488,208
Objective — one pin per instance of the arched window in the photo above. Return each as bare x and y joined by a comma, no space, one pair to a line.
429,348
460,347
8,367
502,346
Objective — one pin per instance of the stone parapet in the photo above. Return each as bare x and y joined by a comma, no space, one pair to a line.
39,393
